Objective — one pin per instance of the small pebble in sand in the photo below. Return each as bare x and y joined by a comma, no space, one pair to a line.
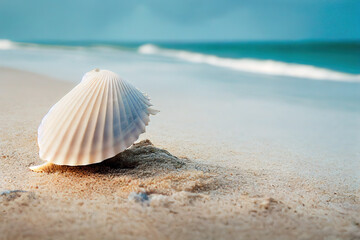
138,197
6,192
11,194
267,203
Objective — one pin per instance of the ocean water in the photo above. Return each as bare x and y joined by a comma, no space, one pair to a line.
338,56
298,104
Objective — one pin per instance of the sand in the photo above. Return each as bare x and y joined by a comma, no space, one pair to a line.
152,190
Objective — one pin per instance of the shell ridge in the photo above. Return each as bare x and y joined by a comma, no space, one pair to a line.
125,103
139,94
146,108
136,105
109,136
143,106
137,130
118,114
133,129
65,99
54,113
87,143
121,145
135,92
128,143
130,109
76,116
128,117
54,133
82,128
101,121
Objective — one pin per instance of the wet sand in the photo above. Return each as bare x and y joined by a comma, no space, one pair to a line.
158,189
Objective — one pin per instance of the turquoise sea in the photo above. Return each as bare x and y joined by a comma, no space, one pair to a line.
299,99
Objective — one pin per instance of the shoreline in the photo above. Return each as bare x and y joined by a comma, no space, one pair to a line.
202,198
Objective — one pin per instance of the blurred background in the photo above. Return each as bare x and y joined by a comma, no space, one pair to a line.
161,20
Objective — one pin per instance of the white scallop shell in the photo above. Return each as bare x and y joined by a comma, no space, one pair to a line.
101,117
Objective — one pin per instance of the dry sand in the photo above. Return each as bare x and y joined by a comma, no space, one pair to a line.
148,193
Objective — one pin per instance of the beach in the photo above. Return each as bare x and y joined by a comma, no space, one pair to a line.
185,180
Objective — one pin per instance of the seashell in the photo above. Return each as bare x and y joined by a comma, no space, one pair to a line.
101,117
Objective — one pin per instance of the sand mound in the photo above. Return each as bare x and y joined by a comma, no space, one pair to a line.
141,168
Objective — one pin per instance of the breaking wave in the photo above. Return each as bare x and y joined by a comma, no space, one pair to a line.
6,44
269,67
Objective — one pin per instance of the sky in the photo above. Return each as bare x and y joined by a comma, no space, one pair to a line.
180,20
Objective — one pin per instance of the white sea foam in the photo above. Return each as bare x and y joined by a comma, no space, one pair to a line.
6,44
269,67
